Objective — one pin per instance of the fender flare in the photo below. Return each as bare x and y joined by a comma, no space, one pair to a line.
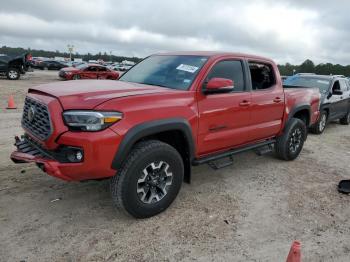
326,107
298,108
150,128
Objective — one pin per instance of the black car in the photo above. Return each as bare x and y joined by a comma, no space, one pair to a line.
50,65
335,97
13,66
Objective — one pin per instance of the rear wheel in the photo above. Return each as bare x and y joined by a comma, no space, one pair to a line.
289,145
320,126
346,119
13,74
76,77
149,180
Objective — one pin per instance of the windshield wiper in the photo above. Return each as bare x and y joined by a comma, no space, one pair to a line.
156,85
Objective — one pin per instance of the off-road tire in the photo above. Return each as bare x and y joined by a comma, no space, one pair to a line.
345,120
320,126
124,184
282,148
13,74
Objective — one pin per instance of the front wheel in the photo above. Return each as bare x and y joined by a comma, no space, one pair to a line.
149,180
289,145
320,126
13,74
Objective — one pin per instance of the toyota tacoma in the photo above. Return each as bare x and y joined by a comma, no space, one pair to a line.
167,113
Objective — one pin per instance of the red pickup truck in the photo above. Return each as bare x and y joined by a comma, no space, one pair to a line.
167,113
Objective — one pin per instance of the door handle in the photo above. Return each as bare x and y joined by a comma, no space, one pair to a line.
277,100
244,103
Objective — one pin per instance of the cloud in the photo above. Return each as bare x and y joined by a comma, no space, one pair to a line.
287,31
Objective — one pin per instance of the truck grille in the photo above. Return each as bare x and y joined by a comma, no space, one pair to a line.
36,118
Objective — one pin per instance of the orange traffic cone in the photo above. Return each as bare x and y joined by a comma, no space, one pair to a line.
11,103
294,253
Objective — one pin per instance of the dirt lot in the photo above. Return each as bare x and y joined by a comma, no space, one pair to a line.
251,211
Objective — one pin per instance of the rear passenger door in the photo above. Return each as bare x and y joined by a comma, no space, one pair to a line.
337,106
224,118
102,72
89,73
267,100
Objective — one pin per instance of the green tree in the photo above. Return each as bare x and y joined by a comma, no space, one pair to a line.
307,67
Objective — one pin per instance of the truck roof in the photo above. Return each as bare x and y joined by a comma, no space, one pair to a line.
215,54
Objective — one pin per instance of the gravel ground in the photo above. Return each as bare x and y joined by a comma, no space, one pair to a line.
250,211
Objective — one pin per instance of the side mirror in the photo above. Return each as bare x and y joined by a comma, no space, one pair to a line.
218,85
337,92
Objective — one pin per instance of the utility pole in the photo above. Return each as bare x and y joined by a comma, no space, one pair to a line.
70,49
110,53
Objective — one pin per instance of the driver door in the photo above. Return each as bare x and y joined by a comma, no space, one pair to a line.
224,118
336,102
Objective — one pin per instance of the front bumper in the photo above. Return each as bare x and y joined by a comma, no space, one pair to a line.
98,149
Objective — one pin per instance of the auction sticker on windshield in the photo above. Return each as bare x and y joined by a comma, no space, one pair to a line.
187,68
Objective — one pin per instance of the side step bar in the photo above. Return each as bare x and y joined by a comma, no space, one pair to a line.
231,152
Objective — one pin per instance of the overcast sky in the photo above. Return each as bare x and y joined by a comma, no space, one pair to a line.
287,31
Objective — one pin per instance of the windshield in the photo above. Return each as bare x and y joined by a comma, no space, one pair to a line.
298,81
172,71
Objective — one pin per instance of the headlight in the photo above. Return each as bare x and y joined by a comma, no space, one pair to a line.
90,120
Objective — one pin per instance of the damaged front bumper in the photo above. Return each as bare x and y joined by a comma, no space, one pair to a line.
28,152
78,156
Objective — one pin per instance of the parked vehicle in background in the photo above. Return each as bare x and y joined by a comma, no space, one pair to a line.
335,97
50,65
74,63
167,113
284,78
124,67
114,66
13,66
88,71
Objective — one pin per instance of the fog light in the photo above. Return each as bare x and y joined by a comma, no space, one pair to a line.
74,155
78,155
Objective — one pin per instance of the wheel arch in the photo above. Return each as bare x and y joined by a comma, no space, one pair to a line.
175,131
302,112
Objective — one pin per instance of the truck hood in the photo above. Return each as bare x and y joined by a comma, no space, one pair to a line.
87,94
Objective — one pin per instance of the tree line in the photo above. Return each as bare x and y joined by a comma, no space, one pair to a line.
309,67
287,69
50,54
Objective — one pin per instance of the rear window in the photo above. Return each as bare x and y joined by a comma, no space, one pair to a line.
262,75
310,82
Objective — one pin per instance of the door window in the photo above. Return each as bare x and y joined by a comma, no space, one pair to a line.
262,76
229,69
91,69
102,69
336,86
